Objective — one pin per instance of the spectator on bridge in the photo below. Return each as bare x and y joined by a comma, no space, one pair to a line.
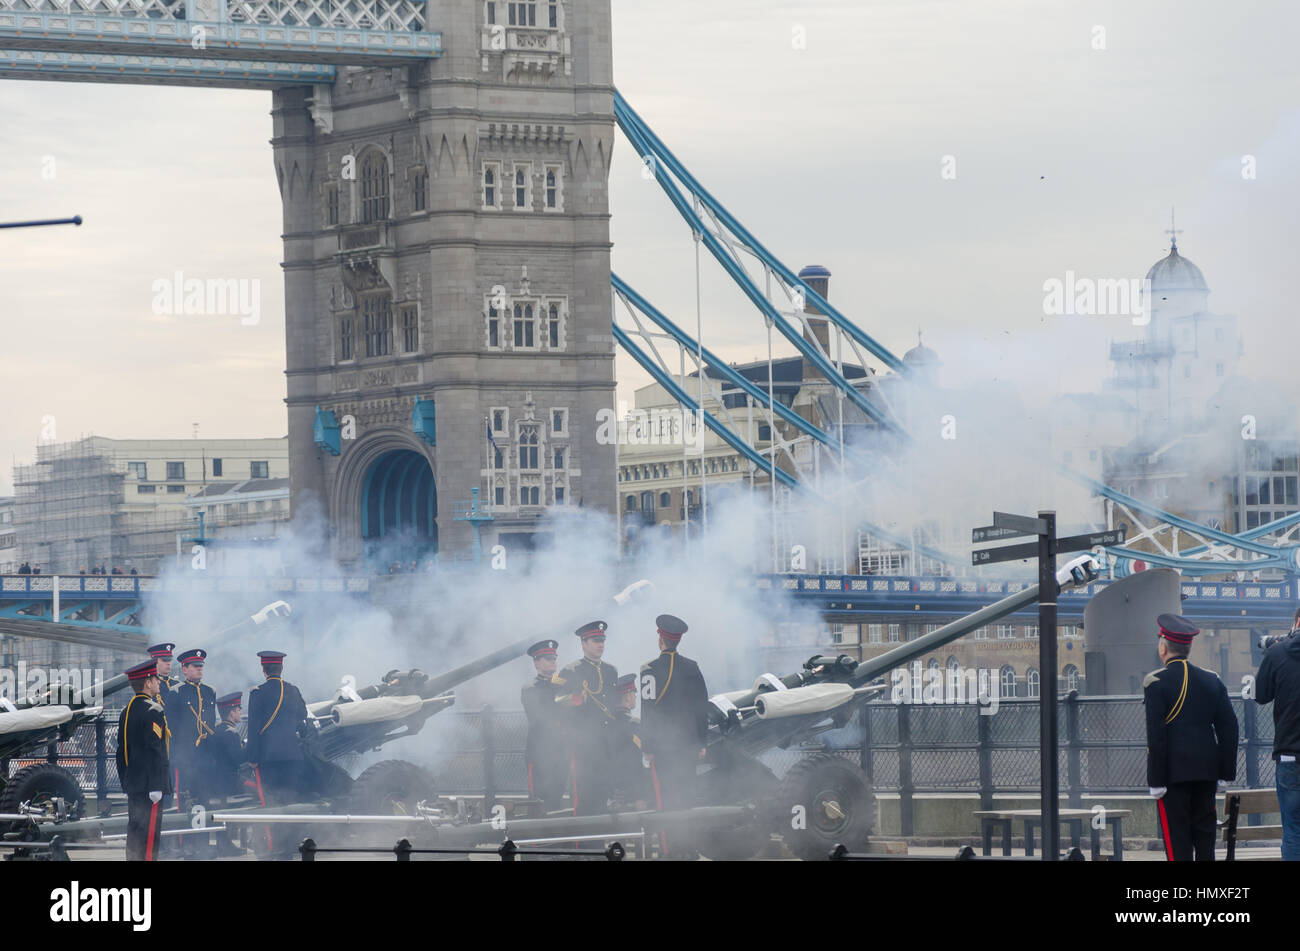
117,570
82,570
1278,681
36,569
134,572
24,569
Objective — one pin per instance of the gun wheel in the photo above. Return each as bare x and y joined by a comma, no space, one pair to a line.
391,788
40,784
825,801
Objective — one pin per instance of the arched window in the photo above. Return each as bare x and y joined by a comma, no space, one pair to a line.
374,187
665,500
1008,677
648,504
631,503
1031,681
528,447
1071,677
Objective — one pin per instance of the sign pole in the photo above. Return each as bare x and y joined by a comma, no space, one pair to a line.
1048,769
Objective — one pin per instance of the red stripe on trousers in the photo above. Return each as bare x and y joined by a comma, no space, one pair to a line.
659,804
153,821
1164,827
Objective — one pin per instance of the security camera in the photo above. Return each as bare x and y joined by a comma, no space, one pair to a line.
1077,571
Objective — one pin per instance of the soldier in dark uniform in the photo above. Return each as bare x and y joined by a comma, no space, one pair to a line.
586,691
276,712
225,756
674,717
167,684
545,753
626,757
1191,743
142,762
193,719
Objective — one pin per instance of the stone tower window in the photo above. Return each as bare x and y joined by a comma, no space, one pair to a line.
491,181
419,189
332,204
553,325
410,330
523,187
345,338
494,327
377,314
554,191
374,187
525,321
528,448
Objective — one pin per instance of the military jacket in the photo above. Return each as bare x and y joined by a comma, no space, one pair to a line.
143,747
597,686
544,742
676,717
192,716
226,752
276,711
1191,729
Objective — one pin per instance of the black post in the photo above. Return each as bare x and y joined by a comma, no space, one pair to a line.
52,753
403,850
1049,780
101,764
489,760
905,814
1250,713
984,731
1073,747
308,850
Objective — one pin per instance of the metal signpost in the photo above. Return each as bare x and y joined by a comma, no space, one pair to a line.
1045,549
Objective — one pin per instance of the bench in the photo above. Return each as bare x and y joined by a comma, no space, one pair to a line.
1074,818
1248,802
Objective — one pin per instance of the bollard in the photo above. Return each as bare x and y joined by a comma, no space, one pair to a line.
508,851
615,852
308,850
403,850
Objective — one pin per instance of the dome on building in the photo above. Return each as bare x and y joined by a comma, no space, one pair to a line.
813,270
1176,273
921,355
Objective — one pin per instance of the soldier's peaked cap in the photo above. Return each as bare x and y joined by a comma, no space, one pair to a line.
230,700
162,651
271,657
670,627
545,648
627,682
196,656
591,629
1177,628
143,671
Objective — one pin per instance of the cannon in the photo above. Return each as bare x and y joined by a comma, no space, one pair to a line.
823,800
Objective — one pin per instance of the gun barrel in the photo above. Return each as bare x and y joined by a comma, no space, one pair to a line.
870,669
452,678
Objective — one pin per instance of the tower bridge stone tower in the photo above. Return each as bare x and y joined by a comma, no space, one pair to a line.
446,256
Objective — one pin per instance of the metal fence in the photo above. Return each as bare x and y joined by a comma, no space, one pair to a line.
907,749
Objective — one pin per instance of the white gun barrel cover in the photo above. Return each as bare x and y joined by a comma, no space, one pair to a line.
815,698
38,718
377,709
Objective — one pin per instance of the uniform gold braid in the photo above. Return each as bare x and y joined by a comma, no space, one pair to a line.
600,688
126,753
280,701
1182,694
204,730
672,656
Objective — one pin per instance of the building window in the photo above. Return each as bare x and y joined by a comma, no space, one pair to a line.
1008,681
345,338
331,205
893,633
524,321
554,191
498,458
138,469
374,187
500,419
665,500
1071,677
175,489
528,448
875,633
499,497
559,422
1031,682
420,189
764,433
553,325
559,495
522,12
491,11
494,327
559,459
146,489
410,330
491,176
377,314
529,495
1031,631
1006,632
630,503
175,470
553,14
523,187
259,470
981,633
216,467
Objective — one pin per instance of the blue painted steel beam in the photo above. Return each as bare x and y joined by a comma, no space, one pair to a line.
159,70
51,32
677,393
725,258
626,116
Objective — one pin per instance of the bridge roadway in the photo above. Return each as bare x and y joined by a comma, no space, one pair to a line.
111,610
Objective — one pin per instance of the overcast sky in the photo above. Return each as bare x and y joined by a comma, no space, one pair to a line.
822,126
